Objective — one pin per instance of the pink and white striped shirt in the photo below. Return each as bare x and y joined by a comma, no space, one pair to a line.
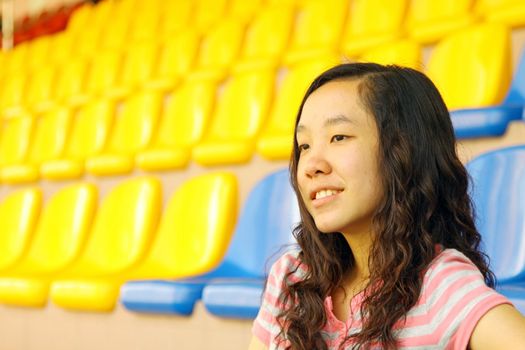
453,298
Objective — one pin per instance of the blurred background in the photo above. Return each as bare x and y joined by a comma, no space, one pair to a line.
144,148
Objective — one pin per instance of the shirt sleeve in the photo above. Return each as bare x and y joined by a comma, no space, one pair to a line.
265,327
457,299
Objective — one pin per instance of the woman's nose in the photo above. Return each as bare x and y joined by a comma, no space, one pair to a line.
316,165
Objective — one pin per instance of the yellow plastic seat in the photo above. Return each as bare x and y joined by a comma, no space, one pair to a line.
207,207
120,237
59,237
266,38
431,20
138,65
208,13
18,58
146,26
88,41
40,88
18,213
13,92
509,12
371,23
244,10
405,53
276,139
132,132
70,81
117,28
38,52
14,140
176,57
182,125
318,29
61,51
87,138
219,48
102,76
49,138
472,68
237,119
176,17
80,18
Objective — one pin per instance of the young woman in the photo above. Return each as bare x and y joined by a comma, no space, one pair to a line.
389,255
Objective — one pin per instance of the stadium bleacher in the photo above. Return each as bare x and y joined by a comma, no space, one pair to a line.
131,140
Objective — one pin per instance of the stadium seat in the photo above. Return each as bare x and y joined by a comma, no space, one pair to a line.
498,194
493,121
61,48
13,93
116,29
371,23
38,52
47,142
132,131
177,57
317,31
208,13
122,232
176,17
137,68
472,68
405,53
70,81
262,234
430,20
219,48
184,120
87,137
238,117
276,140
509,12
59,237
101,77
14,140
19,213
256,238
40,90
244,10
195,229
146,27
18,58
266,38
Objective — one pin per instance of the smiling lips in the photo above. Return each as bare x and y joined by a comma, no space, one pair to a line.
322,197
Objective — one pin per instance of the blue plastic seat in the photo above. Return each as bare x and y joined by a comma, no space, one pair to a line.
498,193
235,288
493,121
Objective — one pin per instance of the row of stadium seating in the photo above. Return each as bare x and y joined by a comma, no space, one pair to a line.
83,261
203,122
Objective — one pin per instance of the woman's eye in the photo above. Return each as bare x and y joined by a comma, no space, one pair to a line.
303,147
339,138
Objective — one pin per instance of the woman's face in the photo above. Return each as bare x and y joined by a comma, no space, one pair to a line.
337,170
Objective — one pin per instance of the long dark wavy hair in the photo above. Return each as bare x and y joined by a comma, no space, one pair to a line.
425,202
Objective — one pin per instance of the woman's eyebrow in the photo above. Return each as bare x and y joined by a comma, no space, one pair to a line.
338,119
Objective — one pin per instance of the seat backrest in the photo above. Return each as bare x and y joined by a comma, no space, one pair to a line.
243,106
425,11
90,129
244,10
134,125
176,17
207,13
372,17
139,63
195,229
264,228
472,68
51,132
18,214
187,114
268,33
516,93
62,230
71,78
15,140
221,45
178,54
404,52
123,228
498,193
319,24
104,71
